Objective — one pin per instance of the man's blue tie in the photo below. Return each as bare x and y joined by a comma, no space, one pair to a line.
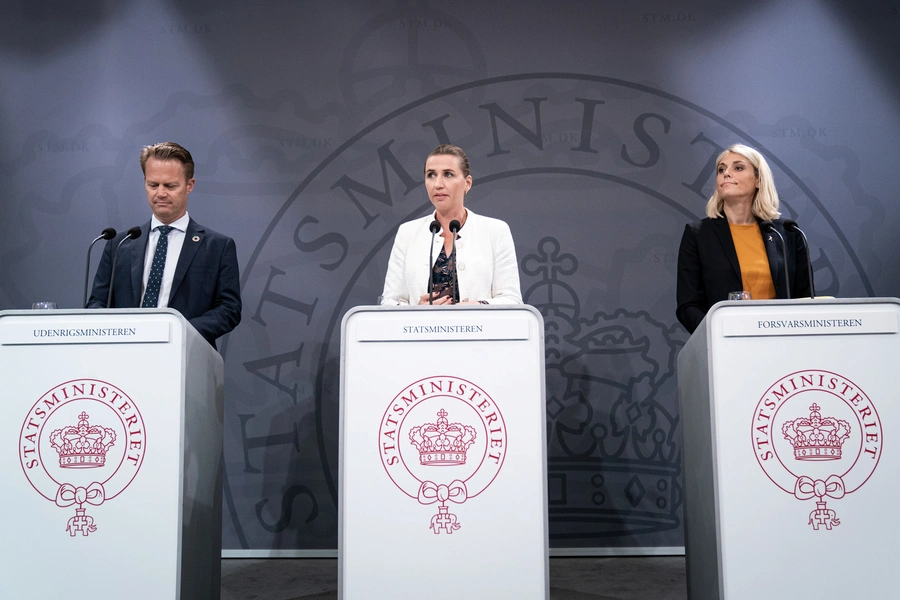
151,294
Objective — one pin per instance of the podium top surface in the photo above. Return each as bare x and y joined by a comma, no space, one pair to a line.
825,316
442,323
88,326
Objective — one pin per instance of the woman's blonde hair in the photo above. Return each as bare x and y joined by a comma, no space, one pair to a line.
765,203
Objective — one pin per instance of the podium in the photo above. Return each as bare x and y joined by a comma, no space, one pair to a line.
791,419
110,456
443,477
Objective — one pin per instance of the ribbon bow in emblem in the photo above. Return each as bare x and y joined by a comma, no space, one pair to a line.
807,488
68,494
430,492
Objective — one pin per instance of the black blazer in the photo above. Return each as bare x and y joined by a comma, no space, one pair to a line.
708,267
205,289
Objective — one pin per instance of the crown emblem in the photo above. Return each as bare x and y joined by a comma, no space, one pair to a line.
442,443
83,445
816,437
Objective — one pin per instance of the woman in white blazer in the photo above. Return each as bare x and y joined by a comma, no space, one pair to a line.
483,270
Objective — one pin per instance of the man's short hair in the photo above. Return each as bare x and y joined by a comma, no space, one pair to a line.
168,151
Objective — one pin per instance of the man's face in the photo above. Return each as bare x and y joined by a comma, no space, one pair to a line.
167,189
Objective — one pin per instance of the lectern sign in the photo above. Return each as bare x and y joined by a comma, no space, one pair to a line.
82,444
817,436
442,440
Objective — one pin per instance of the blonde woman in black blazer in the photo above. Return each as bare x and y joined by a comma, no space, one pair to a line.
708,266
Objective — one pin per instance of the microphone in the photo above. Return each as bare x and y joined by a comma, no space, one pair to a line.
454,229
769,227
133,234
433,228
791,225
107,234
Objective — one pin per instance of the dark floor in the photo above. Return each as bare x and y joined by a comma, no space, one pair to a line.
601,578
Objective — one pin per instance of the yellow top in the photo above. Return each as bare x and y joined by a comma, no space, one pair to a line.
751,253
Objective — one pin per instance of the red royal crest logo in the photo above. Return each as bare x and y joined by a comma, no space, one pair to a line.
442,440
82,443
817,436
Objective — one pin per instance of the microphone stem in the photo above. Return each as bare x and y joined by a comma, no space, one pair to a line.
455,261
87,270
112,272
812,284
431,270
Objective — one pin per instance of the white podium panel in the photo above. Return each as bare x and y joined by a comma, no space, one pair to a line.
443,454
111,470
791,417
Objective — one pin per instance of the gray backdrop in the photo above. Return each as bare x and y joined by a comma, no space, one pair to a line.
590,128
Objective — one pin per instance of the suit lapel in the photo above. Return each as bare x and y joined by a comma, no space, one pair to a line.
137,252
723,232
776,262
188,251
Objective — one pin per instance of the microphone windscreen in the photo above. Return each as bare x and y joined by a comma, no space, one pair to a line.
134,233
454,226
767,225
791,225
434,227
108,233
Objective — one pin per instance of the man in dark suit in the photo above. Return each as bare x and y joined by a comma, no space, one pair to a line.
176,262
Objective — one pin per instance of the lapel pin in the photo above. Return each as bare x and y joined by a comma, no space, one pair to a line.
770,238
196,238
